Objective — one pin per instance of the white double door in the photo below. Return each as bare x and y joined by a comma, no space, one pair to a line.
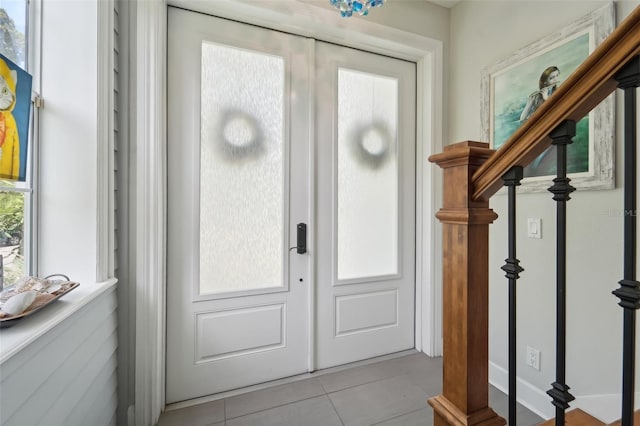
266,131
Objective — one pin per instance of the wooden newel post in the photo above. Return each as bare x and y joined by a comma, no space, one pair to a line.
465,245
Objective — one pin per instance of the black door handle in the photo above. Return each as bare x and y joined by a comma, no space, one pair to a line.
301,243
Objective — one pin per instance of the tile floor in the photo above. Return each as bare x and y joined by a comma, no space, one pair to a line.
388,392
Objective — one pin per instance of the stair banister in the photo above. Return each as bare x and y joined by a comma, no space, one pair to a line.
465,323
472,173
629,291
512,268
561,189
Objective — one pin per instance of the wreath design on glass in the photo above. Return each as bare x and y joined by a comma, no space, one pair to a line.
372,144
240,135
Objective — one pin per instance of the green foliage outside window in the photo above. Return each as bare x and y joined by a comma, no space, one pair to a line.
11,233
12,41
11,215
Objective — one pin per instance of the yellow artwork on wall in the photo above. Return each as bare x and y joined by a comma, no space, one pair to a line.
15,103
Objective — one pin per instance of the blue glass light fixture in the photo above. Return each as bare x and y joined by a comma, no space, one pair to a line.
348,7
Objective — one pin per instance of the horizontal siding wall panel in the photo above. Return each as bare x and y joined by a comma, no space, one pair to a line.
52,395
59,334
54,365
43,383
37,363
67,406
105,411
89,405
91,316
108,415
114,419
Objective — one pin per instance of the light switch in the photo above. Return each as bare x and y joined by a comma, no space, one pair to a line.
534,229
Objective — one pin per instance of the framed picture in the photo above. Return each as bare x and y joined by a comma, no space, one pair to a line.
513,88
15,109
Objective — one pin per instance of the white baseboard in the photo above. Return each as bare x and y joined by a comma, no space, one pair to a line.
605,407
530,396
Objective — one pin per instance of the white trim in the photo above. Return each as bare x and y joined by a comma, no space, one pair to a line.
311,228
32,201
35,44
312,21
429,131
527,394
35,67
604,407
294,17
105,139
126,220
149,106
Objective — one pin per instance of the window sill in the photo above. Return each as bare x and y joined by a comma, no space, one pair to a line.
14,339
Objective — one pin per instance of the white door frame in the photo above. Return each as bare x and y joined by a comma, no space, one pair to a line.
148,100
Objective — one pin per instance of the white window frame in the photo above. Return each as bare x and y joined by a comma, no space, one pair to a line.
76,149
72,219
30,187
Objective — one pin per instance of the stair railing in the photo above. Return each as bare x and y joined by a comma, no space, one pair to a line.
472,173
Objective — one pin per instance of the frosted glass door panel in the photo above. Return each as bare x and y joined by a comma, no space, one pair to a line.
237,95
367,175
241,170
366,204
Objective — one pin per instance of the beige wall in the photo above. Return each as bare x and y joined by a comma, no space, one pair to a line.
483,33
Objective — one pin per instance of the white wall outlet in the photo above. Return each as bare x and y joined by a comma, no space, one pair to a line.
534,228
533,358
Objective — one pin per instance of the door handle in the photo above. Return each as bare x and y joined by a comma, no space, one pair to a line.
301,243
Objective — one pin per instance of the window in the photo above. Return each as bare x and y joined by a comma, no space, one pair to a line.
17,198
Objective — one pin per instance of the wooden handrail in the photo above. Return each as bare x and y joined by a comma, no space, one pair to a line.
472,173
589,85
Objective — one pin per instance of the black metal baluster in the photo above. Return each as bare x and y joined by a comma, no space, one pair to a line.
512,268
561,136
629,291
